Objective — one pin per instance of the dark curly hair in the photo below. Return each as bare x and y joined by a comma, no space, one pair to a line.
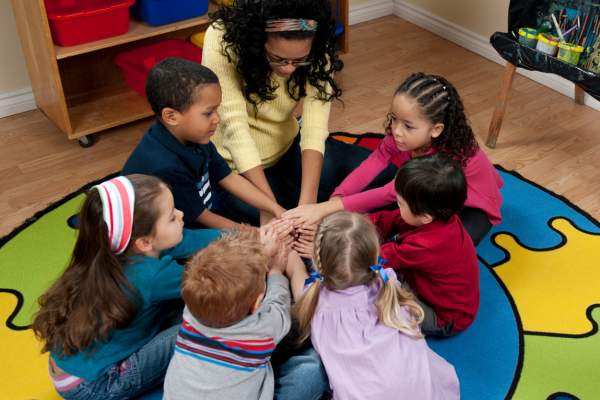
244,23
432,184
438,102
173,83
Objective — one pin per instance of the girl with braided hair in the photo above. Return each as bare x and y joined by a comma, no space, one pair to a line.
269,55
360,321
427,116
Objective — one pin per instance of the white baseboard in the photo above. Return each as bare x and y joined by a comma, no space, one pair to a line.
456,34
369,11
16,102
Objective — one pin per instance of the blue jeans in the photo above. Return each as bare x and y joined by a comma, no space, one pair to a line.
139,373
285,177
301,377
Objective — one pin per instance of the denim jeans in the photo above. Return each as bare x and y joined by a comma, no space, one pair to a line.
285,177
301,377
139,373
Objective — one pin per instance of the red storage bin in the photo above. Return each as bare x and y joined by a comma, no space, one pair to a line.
74,22
137,63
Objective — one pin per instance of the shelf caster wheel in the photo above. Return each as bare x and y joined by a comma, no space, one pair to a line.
86,141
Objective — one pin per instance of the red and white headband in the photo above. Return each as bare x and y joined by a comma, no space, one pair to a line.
118,198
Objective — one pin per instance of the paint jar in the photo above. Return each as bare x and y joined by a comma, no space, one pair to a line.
528,37
569,52
546,44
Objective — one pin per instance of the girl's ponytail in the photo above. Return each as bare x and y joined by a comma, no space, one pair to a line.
389,300
93,296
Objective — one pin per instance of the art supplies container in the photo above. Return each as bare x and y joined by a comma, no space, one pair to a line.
161,12
569,52
75,22
546,44
136,63
528,37
197,39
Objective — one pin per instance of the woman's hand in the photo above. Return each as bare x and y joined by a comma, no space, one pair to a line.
312,213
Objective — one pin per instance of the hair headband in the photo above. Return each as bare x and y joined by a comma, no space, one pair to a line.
290,24
117,197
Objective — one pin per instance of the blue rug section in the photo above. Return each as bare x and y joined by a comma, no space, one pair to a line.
486,355
526,210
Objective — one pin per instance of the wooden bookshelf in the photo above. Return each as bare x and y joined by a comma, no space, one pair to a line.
80,88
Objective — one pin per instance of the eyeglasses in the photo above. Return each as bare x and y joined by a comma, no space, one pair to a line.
284,63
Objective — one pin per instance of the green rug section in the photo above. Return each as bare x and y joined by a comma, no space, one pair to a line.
559,365
48,248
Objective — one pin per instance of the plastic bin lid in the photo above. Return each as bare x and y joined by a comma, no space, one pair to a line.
69,9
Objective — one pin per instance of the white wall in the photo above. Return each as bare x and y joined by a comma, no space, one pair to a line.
13,71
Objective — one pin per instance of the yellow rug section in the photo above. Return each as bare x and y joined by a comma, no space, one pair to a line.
553,288
21,362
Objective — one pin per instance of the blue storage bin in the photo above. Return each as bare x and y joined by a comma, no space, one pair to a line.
161,12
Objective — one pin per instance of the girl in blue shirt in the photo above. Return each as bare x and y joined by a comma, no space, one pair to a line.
101,319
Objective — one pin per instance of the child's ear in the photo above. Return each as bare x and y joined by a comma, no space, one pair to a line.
437,130
426,219
255,305
169,116
143,244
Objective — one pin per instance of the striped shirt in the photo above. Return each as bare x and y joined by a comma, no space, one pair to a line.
231,362
63,382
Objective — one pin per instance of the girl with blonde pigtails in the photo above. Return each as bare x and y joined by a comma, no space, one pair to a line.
360,321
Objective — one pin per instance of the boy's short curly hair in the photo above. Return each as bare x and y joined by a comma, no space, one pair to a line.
221,282
174,83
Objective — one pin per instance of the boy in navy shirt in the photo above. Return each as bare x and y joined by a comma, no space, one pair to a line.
177,148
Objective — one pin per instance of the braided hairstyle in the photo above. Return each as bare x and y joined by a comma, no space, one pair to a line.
244,23
438,102
349,268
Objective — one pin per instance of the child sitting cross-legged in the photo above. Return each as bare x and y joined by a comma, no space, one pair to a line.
237,310
428,245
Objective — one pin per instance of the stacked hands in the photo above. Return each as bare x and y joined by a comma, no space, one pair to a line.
290,233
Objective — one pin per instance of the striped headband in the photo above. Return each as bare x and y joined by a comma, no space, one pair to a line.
290,24
117,197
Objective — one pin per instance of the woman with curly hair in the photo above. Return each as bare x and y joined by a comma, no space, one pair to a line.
427,116
268,55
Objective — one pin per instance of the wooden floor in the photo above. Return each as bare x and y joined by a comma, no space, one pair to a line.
545,136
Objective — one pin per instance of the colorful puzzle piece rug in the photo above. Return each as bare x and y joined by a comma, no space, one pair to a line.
535,336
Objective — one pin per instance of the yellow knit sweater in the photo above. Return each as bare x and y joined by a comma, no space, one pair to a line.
246,142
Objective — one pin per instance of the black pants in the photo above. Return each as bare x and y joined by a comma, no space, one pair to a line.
476,223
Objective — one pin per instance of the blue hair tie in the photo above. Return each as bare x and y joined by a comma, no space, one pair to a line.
314,275
379,268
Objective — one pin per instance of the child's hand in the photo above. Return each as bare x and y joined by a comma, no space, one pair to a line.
284,228
268,237
278,263
304,248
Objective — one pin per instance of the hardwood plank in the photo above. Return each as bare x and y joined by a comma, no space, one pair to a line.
545,136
